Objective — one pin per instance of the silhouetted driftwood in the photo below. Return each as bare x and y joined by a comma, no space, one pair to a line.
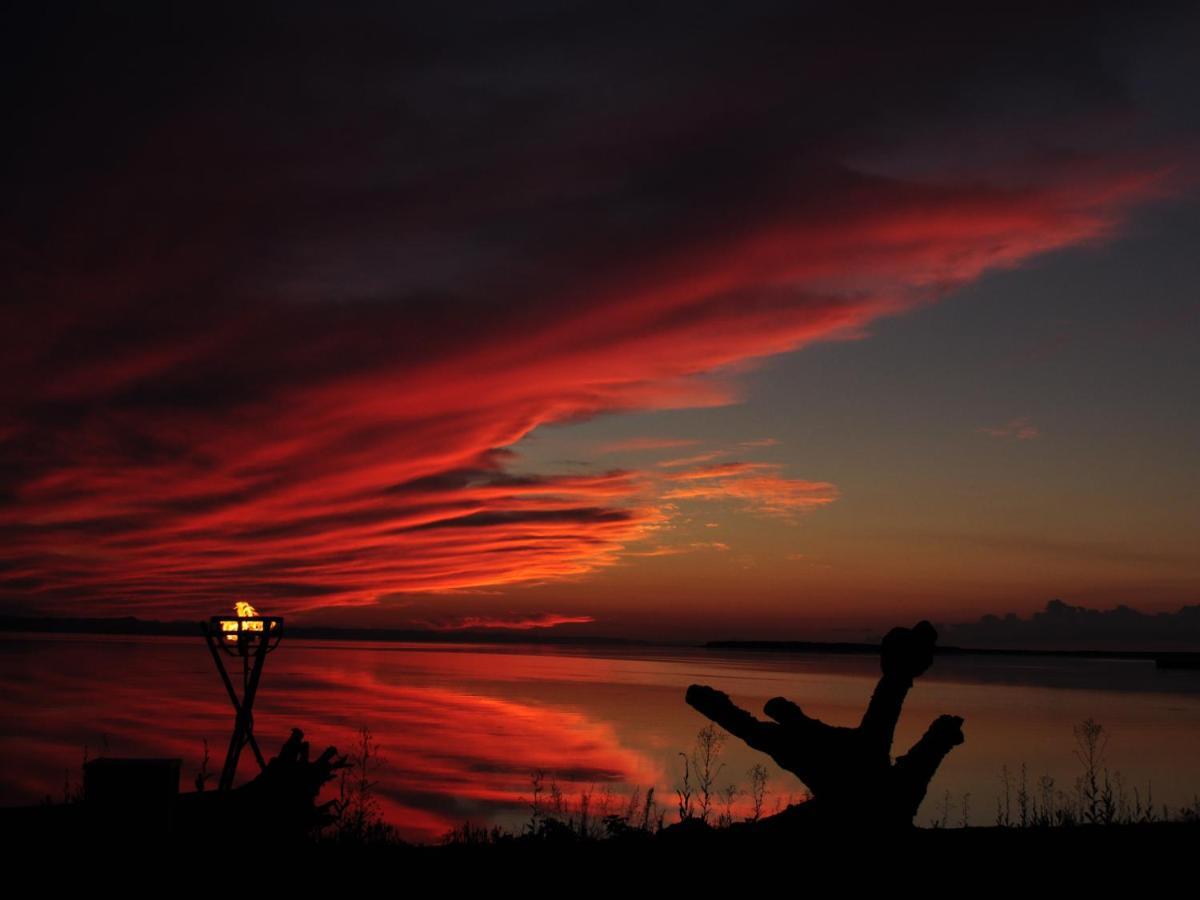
277,806
849,771
288,787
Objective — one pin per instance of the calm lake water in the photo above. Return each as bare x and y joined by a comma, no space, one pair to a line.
460,727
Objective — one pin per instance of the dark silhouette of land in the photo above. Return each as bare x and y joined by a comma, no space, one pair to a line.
134,626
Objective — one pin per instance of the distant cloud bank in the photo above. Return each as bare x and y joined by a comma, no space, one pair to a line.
1061,625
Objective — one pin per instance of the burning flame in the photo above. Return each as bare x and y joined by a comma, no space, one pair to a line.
249,620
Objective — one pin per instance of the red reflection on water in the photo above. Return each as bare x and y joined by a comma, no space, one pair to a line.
459,728
473,754
446,754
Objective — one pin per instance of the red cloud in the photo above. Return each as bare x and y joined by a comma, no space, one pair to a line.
514,623
755,485
324,457
273,351
722,470
691,460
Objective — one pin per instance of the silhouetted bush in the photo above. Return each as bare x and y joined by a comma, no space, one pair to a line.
358,815
1099,795
594,815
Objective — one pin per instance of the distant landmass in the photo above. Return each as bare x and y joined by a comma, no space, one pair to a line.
131,625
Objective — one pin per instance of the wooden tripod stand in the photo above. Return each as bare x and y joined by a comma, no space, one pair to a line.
251,638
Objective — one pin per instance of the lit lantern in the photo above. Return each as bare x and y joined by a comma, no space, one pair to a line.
247,634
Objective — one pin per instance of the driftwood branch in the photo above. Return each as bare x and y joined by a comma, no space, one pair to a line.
850,770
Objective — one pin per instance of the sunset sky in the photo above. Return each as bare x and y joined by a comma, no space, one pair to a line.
775,321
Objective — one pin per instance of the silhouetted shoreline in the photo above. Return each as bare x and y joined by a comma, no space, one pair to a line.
129,625
133,626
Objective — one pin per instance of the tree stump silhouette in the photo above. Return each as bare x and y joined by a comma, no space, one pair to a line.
850,771
277,807
284,794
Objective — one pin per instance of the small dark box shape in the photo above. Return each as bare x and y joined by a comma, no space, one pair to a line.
132,796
